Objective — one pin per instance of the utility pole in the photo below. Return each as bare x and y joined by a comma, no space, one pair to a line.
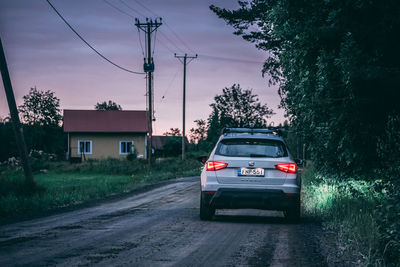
29,180
185,57
148,28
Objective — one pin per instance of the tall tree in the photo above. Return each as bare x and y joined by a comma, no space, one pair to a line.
236,107
110,105
338,68
40,108
42,117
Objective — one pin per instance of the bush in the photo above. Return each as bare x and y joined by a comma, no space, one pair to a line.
132,156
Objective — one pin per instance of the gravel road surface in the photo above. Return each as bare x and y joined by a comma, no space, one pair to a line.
160,227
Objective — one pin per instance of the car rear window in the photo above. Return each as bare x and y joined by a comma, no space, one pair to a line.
251,148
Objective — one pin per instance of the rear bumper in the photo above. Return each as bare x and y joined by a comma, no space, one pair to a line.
269,199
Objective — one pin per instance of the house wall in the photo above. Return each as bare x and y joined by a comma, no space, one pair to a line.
106,145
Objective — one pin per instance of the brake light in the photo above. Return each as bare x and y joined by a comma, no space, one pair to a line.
287,167
215,165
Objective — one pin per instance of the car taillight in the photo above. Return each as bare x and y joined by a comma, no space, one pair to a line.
287,167
215,165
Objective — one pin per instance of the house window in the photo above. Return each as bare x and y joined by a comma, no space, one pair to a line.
125,147
84,147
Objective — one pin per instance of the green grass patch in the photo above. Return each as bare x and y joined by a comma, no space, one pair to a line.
64,184
349,208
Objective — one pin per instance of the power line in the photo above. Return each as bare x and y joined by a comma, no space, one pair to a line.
231,59
167,47
118,9
176,35
132,9
169,40
166,24
169,86
140,14
90,46
141,46
154,42
154,14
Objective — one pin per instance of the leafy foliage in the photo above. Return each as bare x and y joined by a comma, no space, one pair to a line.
337,64
235,107
110,105
389,150
173,132
198,134
41,116
40,108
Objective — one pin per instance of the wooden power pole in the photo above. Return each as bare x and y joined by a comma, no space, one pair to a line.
184,62
148,28
29,180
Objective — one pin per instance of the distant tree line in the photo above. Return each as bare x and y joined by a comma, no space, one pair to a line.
42,125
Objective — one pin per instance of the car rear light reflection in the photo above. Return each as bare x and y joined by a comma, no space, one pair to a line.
215,165
287,167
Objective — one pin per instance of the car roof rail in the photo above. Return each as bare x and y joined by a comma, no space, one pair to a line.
268,130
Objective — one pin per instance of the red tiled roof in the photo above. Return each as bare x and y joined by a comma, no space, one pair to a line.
105,121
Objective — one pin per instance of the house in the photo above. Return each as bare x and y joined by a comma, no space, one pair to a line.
95,134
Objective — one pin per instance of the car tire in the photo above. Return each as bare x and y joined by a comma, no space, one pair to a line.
292,214
206,211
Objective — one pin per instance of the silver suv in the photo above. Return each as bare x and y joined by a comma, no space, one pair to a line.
250,168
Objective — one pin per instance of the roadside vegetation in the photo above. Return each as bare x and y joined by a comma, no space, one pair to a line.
337,66
61,184
348,208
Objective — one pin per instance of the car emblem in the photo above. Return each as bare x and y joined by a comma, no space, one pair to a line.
251,163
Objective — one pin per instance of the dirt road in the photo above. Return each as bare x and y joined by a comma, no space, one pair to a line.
160,227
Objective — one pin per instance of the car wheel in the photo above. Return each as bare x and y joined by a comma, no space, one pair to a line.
292,214
206,211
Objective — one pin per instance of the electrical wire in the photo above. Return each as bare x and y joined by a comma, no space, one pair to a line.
166,24
170,41
137,12
140,41
211,57
132,9
118,9
169,86
167,47
154,42
230,59
90,46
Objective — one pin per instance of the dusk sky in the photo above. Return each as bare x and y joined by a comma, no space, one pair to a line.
42,51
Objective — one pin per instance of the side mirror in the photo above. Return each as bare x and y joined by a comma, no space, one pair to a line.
202,159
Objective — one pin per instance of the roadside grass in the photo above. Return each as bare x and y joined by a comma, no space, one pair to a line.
348,208
64,184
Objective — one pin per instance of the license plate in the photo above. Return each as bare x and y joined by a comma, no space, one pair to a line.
251,172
